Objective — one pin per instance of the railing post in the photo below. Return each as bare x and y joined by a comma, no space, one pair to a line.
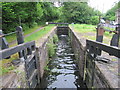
19,33
3,42
115,38
20,39
118,29
100,32
99,36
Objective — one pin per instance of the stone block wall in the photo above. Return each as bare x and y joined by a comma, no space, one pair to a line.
79,51
90,71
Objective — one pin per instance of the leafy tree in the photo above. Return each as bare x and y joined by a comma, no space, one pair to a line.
77,12
30,14
110,15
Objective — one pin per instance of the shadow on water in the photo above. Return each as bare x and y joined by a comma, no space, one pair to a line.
63,72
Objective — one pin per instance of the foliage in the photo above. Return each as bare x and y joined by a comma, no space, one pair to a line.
110,15
77,12
51,48
29,13
46,68
94,20
55,39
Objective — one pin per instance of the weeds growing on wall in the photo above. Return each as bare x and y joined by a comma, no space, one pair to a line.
55,39
51,46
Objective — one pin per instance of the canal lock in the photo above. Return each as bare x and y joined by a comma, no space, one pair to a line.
62,69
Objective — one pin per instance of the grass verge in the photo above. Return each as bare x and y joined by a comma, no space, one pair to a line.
12,37
89,32
39,34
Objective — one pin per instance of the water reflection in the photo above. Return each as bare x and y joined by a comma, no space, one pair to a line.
63,71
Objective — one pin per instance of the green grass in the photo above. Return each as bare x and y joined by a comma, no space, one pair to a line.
39,34
85,28
12,37
109,28
31,30
4,64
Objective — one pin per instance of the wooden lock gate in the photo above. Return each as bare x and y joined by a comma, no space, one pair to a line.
91,56
29,53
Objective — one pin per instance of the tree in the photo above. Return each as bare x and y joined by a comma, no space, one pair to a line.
110,15
30,14
77,12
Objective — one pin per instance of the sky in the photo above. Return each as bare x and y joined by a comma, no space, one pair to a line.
102,5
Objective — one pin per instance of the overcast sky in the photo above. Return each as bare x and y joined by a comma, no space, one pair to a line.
102,5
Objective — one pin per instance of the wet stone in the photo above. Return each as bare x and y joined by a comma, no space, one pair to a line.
63,71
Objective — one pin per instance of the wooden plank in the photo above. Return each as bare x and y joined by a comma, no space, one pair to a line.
31,68
10,51
33,74
34,81
109,49
29,57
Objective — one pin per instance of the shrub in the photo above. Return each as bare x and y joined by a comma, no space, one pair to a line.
55,38
51,48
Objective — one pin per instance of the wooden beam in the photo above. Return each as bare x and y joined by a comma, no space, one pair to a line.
109,49
10,51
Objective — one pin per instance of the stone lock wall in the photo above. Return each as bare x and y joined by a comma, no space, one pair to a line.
43,52
89,69
79,51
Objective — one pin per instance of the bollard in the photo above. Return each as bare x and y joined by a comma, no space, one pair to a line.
115,38
3,42
19,34
20,39
100,32
99,36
